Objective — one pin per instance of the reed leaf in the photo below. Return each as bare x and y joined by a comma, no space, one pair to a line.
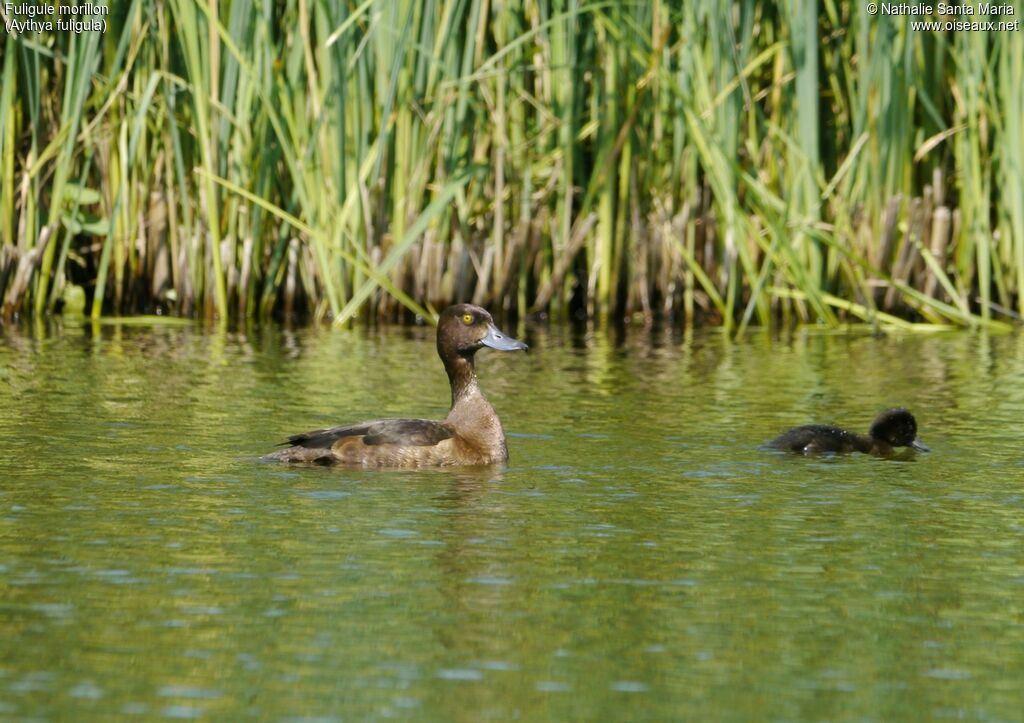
741,163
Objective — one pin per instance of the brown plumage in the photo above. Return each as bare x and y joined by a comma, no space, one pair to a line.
471,434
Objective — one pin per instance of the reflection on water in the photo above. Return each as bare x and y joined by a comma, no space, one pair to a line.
638,558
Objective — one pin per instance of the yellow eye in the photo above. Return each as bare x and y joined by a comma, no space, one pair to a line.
467,319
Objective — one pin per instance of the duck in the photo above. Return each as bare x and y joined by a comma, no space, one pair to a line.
471,434
892,428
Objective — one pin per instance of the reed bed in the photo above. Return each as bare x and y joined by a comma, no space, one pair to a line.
735,163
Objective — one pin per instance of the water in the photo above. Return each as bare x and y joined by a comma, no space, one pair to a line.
639,558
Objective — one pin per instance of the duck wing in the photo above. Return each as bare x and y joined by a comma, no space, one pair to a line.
411,432
814,439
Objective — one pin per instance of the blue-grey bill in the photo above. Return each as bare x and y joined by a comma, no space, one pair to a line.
920,446
497,339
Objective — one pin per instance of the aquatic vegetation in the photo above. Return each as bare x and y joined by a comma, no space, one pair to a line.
734,163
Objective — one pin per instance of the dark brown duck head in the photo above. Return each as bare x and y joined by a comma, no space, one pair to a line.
897,428
462,330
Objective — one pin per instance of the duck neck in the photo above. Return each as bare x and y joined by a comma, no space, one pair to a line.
874,445
472,415
867,444
462,377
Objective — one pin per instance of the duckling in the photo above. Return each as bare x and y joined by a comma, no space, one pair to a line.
892,428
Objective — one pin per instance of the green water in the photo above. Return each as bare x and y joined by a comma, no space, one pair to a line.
639,558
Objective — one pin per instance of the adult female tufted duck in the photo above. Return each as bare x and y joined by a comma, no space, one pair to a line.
892,428
470,435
